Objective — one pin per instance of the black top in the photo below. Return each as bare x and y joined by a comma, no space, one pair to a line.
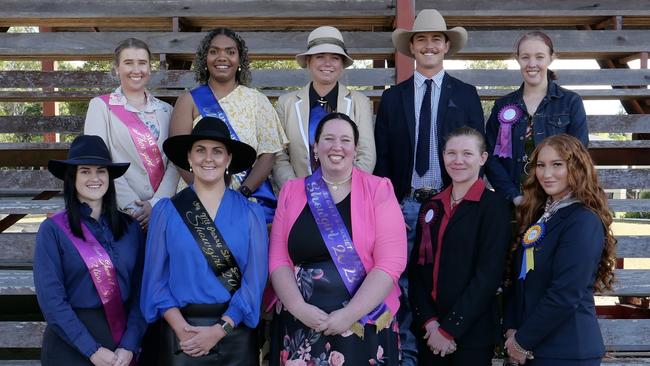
331,99
306,244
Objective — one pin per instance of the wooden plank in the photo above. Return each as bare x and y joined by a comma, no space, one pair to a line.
261,78
17,249
632,123
9,206
549,8
41,124
23,334
285,45
31,154
375,94
626,334
630,282
298,78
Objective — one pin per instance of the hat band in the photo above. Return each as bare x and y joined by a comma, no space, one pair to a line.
90,157
327,40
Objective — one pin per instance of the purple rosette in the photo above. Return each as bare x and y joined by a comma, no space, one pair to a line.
508,115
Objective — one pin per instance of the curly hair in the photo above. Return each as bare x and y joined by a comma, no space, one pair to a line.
583,183
243,75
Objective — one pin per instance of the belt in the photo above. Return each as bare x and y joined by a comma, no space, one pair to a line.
423,194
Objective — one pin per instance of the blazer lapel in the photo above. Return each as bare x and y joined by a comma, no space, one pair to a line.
461,211
408,100
301,108
344,101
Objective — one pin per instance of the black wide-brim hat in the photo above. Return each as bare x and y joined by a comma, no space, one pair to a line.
87,150
210,128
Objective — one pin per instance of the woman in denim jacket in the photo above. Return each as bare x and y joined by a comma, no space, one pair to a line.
522,119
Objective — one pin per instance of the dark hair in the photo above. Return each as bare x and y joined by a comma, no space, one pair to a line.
583,183
202,75
539,35
117,221
129,43
227,178
337,115
468,131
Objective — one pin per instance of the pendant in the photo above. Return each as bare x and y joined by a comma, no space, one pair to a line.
335,187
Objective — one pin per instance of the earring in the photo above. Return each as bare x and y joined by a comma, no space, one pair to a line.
190,168
315,157
226,170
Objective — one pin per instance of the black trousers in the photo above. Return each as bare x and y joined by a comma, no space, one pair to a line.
239,348
480,356
57,352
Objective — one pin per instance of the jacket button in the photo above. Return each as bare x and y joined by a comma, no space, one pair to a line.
521,138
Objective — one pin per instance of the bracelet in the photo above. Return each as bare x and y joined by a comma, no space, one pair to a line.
518,348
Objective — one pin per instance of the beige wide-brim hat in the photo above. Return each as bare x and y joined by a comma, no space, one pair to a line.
429,20
325,40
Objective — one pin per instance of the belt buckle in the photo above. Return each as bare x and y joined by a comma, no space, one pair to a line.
423,194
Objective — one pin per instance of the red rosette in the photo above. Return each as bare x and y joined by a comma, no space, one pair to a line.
429,213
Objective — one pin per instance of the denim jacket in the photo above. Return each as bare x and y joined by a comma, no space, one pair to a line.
561,111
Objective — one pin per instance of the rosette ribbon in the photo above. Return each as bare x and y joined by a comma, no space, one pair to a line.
531,238
507,116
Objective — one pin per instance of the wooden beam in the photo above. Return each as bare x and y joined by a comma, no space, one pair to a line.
489,44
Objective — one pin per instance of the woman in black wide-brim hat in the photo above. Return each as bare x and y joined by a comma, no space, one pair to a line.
206,256
88,265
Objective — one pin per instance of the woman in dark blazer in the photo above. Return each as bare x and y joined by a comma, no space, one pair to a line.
566,252
457,263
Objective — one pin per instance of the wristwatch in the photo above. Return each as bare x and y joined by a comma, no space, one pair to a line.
227,328
245,191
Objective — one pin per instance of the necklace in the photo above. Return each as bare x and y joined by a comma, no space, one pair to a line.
335,185
454,200
137,103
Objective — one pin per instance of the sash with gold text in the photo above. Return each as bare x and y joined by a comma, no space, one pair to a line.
143,140
103,273
208,238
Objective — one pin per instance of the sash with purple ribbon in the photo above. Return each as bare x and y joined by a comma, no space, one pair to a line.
143,140
508,115
340,247
102,272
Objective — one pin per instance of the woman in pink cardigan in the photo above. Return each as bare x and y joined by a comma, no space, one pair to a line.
338,247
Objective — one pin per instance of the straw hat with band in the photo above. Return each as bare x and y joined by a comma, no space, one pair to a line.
210,128
429,20
325,39
87,150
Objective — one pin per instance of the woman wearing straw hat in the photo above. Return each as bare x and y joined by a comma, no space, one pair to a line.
93,316
206,257
299,111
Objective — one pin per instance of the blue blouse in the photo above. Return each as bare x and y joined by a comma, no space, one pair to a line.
63,282
177,274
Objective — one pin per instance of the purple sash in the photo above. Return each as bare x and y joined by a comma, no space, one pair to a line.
145,143
338,242
101,271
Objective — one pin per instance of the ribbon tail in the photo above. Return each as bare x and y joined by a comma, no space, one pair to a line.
503,146
522,272
530,260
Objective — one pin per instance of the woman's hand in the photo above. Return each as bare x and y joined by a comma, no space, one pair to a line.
103,357
310,315
124,357
338,322
437,343
513,351
142,215
203,339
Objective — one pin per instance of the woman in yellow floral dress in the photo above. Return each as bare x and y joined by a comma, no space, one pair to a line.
222,69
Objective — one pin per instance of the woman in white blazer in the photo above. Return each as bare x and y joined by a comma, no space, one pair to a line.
134,124
301,110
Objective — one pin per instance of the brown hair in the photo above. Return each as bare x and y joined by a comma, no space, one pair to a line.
583,183
539,35
129,43
468,131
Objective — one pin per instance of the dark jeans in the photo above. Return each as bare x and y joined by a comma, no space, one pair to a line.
410,210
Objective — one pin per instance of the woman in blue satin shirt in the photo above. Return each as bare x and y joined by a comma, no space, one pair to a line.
205,322
522,119
78,325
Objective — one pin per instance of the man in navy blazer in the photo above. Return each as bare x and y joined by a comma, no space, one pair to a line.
413,119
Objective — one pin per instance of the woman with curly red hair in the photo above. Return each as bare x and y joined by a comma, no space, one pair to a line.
565,254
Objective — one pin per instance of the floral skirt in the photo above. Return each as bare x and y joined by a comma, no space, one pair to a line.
294,344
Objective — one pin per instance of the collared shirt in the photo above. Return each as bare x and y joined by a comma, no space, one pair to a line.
331,98
147,114
433,177
177,274
63,283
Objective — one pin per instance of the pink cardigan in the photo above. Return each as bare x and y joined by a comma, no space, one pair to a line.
378,229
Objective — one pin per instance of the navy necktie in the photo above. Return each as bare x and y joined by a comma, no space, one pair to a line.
424,133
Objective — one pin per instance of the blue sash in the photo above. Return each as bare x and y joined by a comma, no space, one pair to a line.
340,247
208,105
315,115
